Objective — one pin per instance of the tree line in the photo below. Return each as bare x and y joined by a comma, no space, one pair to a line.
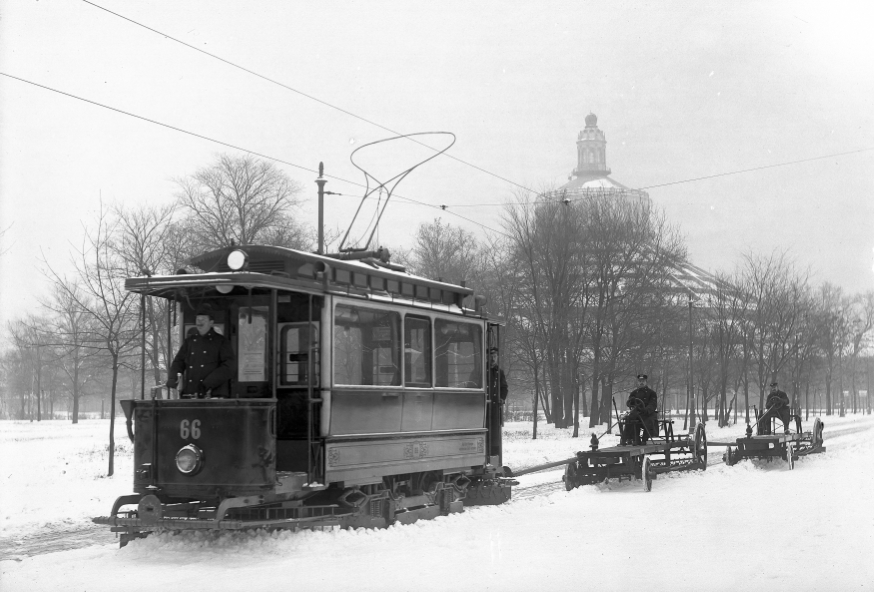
590,291
594,291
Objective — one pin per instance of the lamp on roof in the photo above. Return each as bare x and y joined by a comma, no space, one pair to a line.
238,260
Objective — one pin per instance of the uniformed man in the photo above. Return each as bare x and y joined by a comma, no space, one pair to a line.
497,393
641,417
776,405
207,359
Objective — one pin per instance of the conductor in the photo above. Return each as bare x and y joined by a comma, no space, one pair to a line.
640,419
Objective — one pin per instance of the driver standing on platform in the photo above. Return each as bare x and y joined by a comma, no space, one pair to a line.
642,404
206,357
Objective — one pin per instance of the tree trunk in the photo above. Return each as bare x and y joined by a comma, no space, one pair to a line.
112,415
596,379
536,396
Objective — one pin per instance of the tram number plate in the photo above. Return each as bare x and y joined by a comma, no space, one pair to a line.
189,429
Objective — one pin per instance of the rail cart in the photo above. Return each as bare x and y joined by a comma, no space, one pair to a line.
787,446
644,461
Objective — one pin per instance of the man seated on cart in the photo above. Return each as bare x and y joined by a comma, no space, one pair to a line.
777,405
641,420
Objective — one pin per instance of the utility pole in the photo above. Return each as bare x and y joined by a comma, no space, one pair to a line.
321,183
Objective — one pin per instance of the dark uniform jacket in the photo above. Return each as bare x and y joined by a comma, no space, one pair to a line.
649,398
497,385
207,361
777,399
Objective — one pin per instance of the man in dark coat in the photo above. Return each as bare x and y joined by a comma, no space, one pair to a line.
777,404
641,417
497,395
207,359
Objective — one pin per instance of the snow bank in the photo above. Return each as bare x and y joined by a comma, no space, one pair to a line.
754,526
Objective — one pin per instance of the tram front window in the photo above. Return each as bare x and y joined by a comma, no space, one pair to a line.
366,346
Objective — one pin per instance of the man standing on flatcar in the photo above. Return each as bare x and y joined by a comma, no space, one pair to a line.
207,359
641,417
777,405
497,394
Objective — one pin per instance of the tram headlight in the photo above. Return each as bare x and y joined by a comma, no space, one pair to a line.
188,459
237,260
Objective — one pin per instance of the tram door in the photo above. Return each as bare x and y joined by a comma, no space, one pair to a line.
297,381
495,411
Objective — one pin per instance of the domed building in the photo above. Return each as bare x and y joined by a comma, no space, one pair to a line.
591,177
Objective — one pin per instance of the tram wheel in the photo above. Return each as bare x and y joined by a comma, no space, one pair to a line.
700,444
646,474
570,475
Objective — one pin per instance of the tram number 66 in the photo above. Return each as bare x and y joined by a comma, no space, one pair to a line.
189,429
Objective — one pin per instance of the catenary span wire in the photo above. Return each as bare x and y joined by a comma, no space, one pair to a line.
368,121
235,147
445,208
694,179
301,93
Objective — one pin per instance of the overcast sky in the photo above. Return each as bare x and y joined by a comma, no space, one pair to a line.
682,90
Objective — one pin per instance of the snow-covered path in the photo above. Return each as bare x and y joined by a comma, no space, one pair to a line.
754,526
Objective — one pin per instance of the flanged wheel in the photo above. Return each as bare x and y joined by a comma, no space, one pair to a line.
570,475
790,455
646,474
817,433
700,447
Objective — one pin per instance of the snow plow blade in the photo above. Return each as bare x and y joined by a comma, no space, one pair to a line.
194,524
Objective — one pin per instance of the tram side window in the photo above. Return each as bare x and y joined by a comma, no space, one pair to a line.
417,351
366,346
458,361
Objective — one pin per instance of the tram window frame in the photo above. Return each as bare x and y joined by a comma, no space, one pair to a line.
423,342
294,345
447,334
358,330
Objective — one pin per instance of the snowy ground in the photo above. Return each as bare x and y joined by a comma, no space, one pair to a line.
754,526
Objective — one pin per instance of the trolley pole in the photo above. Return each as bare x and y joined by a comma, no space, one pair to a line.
321,183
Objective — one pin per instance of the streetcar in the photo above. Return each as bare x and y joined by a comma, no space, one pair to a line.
357,398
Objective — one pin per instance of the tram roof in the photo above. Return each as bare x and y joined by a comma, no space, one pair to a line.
284,268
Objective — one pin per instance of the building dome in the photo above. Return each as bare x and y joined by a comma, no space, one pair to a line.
591,177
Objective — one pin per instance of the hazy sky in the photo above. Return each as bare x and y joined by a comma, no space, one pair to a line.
682,90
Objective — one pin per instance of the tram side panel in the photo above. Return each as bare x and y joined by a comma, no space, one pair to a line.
377,426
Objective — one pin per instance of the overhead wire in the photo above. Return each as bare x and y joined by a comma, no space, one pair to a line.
300,92
466,163
230,145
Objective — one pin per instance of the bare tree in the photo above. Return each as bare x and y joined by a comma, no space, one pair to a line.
99,293
70,328
446,253
240,200
553,289
777,296
147,242
727,310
